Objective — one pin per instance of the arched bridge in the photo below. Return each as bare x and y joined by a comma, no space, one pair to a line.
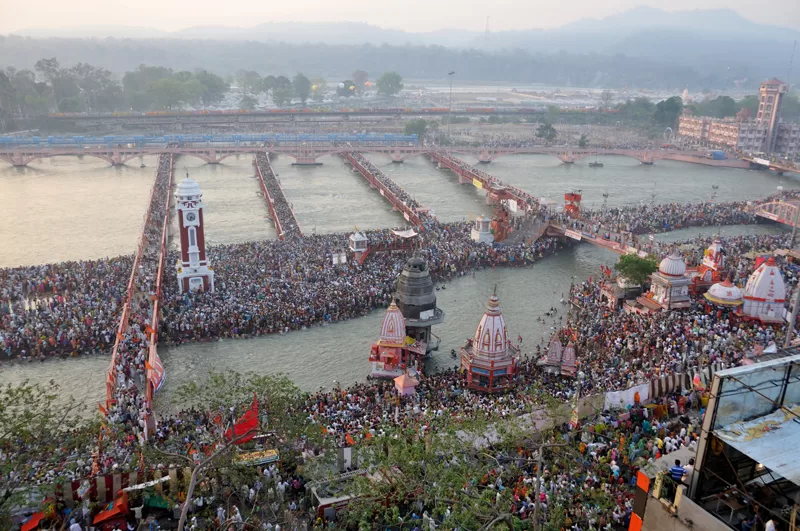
785,212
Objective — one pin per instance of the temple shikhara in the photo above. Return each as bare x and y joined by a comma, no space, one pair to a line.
395,353
765,294
488,359
712,268
193,269
406,337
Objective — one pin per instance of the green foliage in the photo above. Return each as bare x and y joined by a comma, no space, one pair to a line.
248,102
171,93
547,132
302,87
321,91
416,127
584,141
667,111
37,425
282,91
214,87
636,269
389,84
249,81
719,107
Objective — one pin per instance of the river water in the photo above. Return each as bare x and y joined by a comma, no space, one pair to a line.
69,209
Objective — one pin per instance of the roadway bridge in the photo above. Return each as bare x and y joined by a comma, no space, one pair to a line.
305,149
778,167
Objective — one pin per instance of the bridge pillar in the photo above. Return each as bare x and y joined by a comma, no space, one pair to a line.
212,157
18,160
464,180
397,156
647,158
306,160
567,157
484,156
491,199
116,158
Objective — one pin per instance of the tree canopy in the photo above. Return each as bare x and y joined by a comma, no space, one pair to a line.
636,269
389,84
302,87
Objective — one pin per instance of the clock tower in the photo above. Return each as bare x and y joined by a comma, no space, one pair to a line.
194,271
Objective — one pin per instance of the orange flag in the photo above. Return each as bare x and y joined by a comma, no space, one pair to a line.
349,440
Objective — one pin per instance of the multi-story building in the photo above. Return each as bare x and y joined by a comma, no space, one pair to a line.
764,133
769,110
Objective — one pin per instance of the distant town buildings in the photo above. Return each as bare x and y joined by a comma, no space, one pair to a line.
764,133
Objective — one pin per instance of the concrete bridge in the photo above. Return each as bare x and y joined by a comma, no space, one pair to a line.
309,153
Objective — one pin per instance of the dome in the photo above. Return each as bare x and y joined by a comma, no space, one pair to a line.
724,294
766,283
414,291
491,337
188,188
393,329
673,265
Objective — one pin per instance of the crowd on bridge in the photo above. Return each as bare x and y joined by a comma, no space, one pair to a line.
283,210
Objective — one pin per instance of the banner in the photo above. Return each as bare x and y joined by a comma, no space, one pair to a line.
245,427
476,183
512,205
573,234
622,399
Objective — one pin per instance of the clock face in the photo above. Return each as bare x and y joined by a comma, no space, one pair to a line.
191,216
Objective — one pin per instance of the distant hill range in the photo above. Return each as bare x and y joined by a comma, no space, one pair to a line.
720,46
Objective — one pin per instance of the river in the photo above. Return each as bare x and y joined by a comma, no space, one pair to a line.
92,210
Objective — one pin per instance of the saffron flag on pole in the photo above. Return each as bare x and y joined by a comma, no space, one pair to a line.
246,425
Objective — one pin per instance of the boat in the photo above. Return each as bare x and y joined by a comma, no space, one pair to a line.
595,164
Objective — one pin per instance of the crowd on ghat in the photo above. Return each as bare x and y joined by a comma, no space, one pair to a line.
625,350
283,209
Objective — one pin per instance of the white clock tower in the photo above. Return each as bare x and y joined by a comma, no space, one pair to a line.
193,269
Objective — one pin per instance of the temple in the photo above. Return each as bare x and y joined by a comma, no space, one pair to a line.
712,268
765,294
669,286
489,359
416,299
724,294
395,353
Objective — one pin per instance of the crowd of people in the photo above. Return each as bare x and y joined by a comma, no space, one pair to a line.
290,228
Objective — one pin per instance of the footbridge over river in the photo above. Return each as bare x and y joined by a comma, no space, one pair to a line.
305,149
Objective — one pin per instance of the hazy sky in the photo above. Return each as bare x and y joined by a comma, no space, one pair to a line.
411,15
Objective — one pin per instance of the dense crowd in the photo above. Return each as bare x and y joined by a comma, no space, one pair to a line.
276,286
283,210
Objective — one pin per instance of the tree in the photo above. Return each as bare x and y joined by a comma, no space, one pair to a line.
635,269
606,99
282,91
667,111
214,87
267,83
389,84
248,80
37,427
360,78
584,141
169,93
248,102
547,132
302,87
417,127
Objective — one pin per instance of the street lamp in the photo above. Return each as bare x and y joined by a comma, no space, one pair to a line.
450,111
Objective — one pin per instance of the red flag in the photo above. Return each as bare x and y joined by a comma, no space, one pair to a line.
246,423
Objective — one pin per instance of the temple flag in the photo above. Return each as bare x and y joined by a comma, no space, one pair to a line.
349,440
247,423
155,372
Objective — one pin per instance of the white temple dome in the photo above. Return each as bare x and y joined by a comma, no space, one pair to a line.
724,294
188,188
491,337
766,283
672,265
393,329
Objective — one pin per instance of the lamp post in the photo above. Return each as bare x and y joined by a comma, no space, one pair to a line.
450,111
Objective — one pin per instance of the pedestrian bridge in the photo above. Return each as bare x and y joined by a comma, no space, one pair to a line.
785,212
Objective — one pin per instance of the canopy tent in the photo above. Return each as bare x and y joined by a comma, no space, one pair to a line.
408,233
